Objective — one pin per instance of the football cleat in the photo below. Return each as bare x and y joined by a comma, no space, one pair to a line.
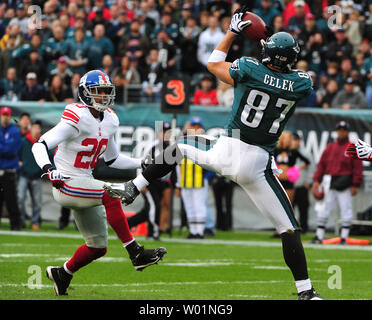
315,240
60,278
126,195
147,257
342,242
309,295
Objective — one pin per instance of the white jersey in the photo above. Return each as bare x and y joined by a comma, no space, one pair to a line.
77,156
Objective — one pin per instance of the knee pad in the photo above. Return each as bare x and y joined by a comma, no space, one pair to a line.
97,242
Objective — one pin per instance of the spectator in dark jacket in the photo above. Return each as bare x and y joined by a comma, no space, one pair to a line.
340,48
267,11
340,177
11,87
34,64
30,178
349,98
330,93
10,143
32,91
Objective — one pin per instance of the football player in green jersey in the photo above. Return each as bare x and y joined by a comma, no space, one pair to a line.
265,96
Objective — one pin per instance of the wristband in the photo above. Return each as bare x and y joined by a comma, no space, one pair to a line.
47,168
217,56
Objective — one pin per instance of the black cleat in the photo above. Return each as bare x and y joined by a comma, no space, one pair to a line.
191,236
309,295
342,242
60,278
127,195
147,257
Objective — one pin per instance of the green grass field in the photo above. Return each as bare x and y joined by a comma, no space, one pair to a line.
230,266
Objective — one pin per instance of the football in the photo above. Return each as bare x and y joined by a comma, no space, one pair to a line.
318,193
256,31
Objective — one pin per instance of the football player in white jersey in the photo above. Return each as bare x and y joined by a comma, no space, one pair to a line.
86,131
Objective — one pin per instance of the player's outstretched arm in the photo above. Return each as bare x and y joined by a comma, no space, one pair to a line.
114,159
216,62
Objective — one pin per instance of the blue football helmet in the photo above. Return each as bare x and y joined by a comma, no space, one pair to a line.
96,90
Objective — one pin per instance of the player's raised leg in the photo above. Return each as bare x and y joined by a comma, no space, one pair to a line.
196,148
140,257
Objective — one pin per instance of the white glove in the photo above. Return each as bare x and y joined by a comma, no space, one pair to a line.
363,149
56,178
237,25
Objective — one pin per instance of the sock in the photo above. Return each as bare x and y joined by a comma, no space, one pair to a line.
345,230
132,248
116,218
140,182
200,228
83,256
303,285
320,231
193,229
294,254
164,163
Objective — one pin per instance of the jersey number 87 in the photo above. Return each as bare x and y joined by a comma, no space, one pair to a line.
253,122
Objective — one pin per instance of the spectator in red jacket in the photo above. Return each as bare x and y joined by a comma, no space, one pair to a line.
340,177
290,9
206,96
100,7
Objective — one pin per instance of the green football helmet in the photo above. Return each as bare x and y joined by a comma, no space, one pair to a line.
280,51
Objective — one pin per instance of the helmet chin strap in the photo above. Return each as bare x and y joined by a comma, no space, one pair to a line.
99,107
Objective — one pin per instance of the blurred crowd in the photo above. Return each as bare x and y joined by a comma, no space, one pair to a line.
138,41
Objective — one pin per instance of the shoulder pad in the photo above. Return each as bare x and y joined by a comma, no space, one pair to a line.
72,113
113,116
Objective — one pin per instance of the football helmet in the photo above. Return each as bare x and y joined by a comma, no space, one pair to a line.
280,51
91,86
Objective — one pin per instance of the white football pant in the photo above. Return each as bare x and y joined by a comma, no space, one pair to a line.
84,197
252,168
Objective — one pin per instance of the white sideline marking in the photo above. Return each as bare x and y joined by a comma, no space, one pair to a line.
270,267
202,264
248,296
23,255
102,259
246,243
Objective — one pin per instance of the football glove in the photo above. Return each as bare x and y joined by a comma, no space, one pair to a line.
56,178
360,150
364,150
236,24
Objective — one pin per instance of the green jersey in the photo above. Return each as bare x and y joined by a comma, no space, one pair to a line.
264,100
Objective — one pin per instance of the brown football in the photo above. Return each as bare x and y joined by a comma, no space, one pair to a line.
318,192
256,31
